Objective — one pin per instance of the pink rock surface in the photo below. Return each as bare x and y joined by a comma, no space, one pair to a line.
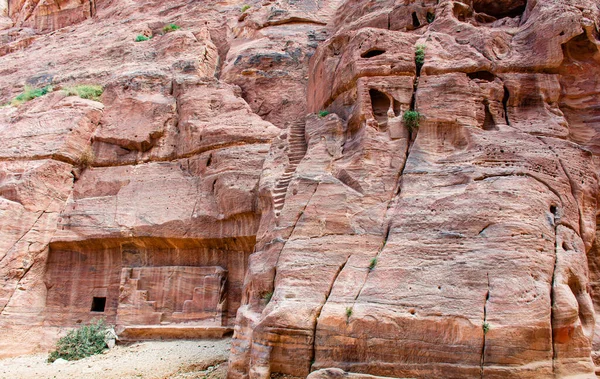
257,169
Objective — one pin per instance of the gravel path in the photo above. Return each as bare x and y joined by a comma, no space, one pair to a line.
152,360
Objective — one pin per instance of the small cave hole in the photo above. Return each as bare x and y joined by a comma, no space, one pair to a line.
430,17
482,75
488,122
415,20
98,304
380,104
580,48
553,209
565,246
372,53
209,160
500,9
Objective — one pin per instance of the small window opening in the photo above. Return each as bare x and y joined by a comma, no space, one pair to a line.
482,75
98,304
372,53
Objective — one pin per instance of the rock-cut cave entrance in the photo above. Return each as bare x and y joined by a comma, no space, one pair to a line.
149,283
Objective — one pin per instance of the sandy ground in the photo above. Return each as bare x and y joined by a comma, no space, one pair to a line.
152,360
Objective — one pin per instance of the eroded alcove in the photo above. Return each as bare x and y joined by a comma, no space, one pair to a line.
146,281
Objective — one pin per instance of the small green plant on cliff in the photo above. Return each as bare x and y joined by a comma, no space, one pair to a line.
245,8
141,38
170,28
267,296
323,113
85,91
486,327
80,343
419,56
30,93
372,264
430,17
411,119
348,312
87,158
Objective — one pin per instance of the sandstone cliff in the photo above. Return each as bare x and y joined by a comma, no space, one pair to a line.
389,188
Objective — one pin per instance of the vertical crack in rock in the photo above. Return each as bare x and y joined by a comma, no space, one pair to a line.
505,104
26,269
572,185
379,251
552,294
300,214
92,8
485,325
314,341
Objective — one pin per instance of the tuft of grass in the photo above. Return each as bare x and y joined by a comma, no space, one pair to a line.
419,56
81,343
87,157
267,296
348,312
30,93
373,264
323,113
245,8
485,327
170,28
141,38
411,119
85,91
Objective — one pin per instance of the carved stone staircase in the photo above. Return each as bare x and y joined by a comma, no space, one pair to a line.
139,303
297,150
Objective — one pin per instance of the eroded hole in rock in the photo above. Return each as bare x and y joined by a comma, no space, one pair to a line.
460,11
415,20
98,304
482,75
488,122
579,48
500,9
380,103
150,282
372,53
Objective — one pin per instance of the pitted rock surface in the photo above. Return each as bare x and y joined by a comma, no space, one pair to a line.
257,169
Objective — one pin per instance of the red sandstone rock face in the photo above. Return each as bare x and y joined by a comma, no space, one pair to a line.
352,244
140,209
455,250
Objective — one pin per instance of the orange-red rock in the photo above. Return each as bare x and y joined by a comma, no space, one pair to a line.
260,162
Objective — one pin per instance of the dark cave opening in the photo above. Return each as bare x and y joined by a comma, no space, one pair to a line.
380,103
372,53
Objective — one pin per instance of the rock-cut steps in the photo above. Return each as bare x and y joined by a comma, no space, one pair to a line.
296,151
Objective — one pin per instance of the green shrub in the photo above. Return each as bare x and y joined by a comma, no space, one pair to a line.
486,327
411,119
430,17
30,93
141,38
85,91
348,312
245,8
80,343
323,113
373,264
419,56
267,296
170,28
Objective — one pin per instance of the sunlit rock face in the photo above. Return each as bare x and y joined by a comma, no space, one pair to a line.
463,247
358,188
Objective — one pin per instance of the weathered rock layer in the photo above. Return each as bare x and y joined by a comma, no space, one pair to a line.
375,189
